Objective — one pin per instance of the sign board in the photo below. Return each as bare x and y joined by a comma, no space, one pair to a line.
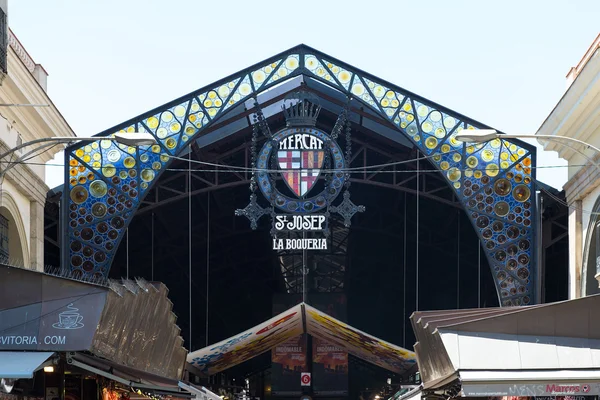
573,391
41,312
300,171
305,379
288,361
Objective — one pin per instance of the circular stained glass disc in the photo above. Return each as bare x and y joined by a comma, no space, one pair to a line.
171,143
492,169
113,156
99,210
79,194
501,208
98,188
487,155
431,142
259,76
411,130
512,232
482,221
76,260
521,193
129,162
502,187
109,170
147,175
453,174
472,161
523,273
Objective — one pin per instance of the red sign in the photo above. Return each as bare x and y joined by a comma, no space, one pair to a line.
305,379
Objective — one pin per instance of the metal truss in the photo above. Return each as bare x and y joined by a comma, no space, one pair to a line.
174,186
114,170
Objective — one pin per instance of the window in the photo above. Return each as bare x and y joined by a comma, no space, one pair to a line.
3,41
3,239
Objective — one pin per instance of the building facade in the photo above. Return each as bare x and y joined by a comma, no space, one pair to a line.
22,188
577,116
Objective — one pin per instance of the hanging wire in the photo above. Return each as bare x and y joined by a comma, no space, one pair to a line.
127,250
189,184
478,274
152,249
404,281
458,261
304,271
207,260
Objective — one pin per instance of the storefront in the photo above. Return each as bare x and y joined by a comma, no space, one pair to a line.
65,339
544,351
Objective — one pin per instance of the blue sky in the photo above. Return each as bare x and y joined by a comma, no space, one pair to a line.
502,63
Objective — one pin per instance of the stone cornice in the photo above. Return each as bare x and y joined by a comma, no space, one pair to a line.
26,180
573,114
20,51
583,182
29,88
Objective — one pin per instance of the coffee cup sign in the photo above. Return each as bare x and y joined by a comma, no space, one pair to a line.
69,319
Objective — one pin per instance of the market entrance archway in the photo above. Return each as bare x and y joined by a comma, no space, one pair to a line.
107,183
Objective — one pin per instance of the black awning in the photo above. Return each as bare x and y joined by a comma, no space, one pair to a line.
139,381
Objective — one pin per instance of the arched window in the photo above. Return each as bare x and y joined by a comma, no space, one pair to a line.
13,236
591,254
4,232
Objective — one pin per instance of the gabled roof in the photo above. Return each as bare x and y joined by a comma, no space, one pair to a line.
291,323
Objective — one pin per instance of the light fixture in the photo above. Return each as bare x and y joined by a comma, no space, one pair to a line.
6,385
135,138
477,135
49,368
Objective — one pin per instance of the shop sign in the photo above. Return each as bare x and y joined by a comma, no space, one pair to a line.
301,171
59,325
542,391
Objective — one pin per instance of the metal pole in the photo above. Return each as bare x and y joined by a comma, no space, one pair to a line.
404,281
417,245
458,262
152,251
304,271
540,267
207,260
189,187
478,273
127,250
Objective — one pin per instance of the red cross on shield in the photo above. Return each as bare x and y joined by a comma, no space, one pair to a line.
300,169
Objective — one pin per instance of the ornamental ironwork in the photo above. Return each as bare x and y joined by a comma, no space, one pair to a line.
289,168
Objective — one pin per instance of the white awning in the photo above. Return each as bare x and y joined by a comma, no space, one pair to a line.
21,364
201,393
530,383
412,394
534,343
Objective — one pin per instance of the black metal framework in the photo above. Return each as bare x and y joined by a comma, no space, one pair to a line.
470,171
